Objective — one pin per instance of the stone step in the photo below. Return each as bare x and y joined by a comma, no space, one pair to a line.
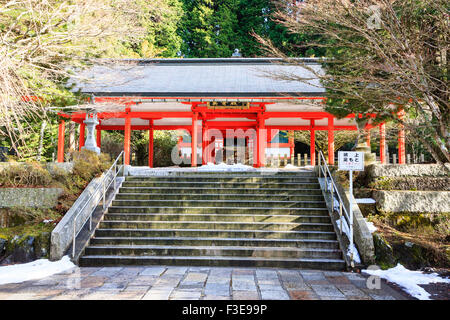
223,210
249,185
210,241
216,217
239,179
215,233
217,196
227,174
223,251
223,225
219,203
212,261
241,191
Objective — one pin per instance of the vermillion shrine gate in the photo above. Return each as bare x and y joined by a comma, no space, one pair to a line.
217,101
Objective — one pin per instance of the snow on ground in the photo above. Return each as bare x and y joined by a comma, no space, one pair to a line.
34,270
371,226
409,280
352,250
211,167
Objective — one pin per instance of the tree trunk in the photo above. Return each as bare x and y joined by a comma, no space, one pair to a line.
41,140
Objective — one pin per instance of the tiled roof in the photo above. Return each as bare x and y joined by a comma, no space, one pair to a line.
227,77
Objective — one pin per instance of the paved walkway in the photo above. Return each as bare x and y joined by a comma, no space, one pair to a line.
198,283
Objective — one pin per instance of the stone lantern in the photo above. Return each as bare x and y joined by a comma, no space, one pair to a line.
90,143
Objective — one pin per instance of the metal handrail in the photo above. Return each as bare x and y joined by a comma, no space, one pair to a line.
343,212
104,187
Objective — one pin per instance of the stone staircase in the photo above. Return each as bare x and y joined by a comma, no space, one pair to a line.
217,219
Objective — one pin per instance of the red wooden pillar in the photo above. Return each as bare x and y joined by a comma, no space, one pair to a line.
383,143
194,137
81,140
61,131
205,153
401,140
401,145
126,142
368,138
99,138
261,142
291,143
331,141
312,145
150,145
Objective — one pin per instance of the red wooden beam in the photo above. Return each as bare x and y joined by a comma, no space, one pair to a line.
61,130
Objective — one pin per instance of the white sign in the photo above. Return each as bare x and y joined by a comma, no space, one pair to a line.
351,161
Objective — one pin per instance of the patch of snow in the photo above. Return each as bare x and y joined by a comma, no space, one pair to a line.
211,167
371,226
365,200
34,270
352,250
345,228
290,166
47,221
409,280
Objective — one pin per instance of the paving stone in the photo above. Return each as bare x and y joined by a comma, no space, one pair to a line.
296,286
244,271
185,295
318,276
218,280
143,281
381,297
92,282
128,295
274,295
350,290
270,287
152,271
217,289
358,298
195,277
22,296
176,270
71,295
361,284
107,271
354,276
158,294
212,297
338,279
302,295
332,273
86,271
48,294
244,285
326,291
112,286
199,269
142,289
101,295
131,271
266,274
245,295
332,298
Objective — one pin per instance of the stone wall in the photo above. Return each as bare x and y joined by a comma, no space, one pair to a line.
29,197
412,201
411,170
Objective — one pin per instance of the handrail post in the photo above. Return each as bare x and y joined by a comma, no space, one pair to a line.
340,215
